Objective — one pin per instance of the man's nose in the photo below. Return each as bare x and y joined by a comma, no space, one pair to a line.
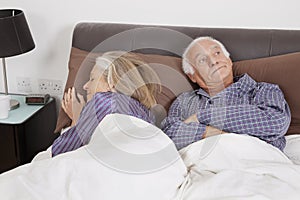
213,62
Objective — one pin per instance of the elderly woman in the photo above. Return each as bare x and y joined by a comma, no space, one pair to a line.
119,83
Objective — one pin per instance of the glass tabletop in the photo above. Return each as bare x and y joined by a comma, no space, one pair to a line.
22,113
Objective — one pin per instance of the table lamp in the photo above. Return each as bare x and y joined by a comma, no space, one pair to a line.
15,39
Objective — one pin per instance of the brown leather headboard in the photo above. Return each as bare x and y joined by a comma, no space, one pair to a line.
241,43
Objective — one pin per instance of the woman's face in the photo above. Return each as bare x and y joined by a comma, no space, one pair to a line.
96,83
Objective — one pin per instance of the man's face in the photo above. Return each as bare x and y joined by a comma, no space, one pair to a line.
211,66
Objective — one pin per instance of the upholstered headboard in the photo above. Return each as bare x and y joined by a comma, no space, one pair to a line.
241,43
164,45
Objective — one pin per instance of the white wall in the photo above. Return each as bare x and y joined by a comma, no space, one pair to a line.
52,21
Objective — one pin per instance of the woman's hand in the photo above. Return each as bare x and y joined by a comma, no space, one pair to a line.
66,104
72,106
76,105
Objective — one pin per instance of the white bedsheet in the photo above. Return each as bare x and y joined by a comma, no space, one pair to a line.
292,149
221,169
95,171
229,166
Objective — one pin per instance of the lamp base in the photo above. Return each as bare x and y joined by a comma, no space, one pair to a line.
14,104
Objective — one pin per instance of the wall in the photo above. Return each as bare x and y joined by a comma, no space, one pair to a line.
51,24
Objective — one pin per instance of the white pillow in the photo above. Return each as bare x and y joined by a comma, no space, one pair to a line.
292,148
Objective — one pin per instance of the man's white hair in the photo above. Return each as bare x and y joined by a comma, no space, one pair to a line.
186,66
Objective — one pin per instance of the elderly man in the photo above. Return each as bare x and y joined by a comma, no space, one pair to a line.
224,103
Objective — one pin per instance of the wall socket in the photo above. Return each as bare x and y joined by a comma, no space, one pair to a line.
52,87
23,84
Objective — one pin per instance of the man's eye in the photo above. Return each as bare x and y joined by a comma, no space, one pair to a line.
217,53
202,60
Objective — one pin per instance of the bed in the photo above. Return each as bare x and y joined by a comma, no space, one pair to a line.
130,159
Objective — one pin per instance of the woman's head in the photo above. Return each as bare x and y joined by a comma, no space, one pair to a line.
125,73
96,83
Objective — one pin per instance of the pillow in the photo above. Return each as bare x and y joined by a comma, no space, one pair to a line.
283,70
168,69
173,80
292,150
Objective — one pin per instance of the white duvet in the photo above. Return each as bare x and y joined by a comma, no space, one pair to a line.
129,159
233,166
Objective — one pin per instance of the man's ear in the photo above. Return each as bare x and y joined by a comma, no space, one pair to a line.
192,77
195,78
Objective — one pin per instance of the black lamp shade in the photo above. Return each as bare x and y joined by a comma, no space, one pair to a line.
15,36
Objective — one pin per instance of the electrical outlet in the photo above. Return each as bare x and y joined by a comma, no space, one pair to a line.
23,84
48,86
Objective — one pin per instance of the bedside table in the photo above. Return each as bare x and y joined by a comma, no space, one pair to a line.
28,130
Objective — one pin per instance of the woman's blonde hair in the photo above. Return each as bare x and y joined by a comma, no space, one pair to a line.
130,75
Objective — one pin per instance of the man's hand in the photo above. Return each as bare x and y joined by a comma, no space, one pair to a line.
72,106
192,118
211,131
